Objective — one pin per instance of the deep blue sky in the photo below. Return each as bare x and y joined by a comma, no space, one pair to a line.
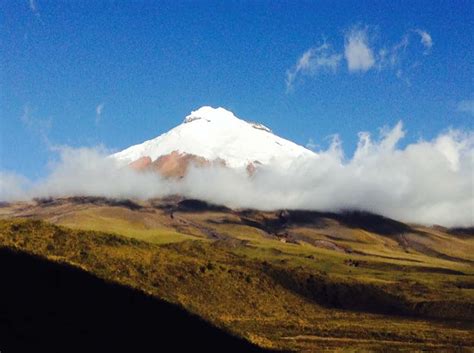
149,63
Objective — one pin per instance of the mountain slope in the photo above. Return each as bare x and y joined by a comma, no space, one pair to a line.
292,296
217,134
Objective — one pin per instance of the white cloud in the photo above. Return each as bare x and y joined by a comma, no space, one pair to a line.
98,112
425,182
425,39
313,61
357,51
466,106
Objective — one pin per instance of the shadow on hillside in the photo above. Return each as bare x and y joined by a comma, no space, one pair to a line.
192,205
466,232
92,200
351,219
354,219
51,307
364,297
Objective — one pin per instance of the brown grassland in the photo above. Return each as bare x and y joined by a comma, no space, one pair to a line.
292,280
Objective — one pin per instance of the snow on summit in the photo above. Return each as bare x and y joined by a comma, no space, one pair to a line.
216,133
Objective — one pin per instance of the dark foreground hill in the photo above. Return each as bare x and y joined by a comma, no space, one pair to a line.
53,307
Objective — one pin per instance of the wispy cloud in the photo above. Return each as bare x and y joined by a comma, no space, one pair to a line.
311,145
13,186
357,51
34,8
98,112
466,106
313,61
363,53
425,39
37,126
396,51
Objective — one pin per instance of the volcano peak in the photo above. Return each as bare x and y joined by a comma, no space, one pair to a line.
217,134
209,114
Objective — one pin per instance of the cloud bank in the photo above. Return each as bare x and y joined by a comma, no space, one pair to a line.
426,182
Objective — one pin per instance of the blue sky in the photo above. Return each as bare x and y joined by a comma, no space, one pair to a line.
85,73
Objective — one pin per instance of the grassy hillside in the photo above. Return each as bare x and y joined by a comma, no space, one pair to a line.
50,306
294,280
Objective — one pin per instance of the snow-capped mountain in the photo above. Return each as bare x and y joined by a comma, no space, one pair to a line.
215,134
